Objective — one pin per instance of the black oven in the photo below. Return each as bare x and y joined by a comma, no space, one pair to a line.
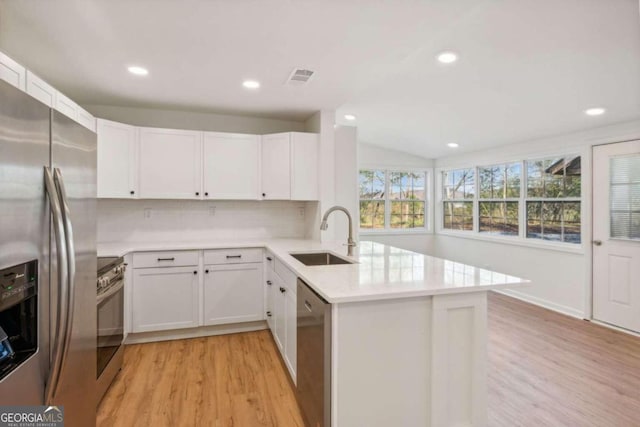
110,301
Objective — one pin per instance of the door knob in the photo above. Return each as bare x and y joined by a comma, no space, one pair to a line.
597,242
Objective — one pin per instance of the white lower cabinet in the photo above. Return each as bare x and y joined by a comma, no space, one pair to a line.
283,296
268,298
290,352
165,298
233,293
279,313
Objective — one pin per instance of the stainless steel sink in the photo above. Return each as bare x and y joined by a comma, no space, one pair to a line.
320,258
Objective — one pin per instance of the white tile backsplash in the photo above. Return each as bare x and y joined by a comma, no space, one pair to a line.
166,220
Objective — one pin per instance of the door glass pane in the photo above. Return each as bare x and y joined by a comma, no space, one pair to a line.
624,197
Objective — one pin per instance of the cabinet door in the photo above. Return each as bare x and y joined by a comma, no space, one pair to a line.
233,293
304,166
117,160
291,333
66,106
40,90
276,166
86,119
170,164
164,298
12,72
231,165
279,307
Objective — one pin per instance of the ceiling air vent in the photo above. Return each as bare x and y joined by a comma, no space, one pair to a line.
300,76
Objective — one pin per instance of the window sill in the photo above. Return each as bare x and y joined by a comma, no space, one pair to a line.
516,241
389,232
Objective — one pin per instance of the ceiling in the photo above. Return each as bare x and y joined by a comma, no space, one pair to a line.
527,68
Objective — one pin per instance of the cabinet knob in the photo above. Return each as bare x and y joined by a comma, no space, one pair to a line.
132,192
206,271
264,194
206,194
269,258
283,290
269,282
197,193
195,272
268,314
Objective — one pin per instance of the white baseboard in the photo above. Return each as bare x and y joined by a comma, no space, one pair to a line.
203,331
615,328
544,303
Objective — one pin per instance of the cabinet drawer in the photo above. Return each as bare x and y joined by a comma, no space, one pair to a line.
165,259
232,256
270,260
289,279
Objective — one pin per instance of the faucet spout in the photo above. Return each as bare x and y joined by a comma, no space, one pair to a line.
324,225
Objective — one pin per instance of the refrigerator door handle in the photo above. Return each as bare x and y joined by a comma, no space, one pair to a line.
71,261
63,280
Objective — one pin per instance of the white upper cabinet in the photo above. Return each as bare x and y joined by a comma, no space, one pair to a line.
66,106
304,166
170,164
276,166
40,90
86,119
290,166
12,72
117,160
231,166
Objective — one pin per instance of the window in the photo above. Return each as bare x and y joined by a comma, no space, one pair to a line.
372,195
553,199
392,199
545,193
499,199
624,202
458,194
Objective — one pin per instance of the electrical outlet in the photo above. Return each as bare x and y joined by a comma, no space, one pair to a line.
301,212
212,210
147,213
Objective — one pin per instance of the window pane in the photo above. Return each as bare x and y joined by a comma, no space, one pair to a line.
571,222
534,220
417,186
407,214
458,215
499,218
371,214
552,221
371,184
513,180
485,175
554,177
399,185
458,184
625,197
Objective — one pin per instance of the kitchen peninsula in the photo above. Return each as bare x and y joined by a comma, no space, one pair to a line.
409,331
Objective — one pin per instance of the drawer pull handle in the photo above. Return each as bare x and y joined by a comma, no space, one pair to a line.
283,290
268,314
269,282
166,259
308,306
269,258
234,256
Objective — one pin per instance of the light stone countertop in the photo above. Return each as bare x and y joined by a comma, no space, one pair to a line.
380,271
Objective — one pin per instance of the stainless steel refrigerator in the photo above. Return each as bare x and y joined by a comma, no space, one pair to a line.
48,219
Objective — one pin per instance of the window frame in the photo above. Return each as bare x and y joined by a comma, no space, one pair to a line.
428,195
520,239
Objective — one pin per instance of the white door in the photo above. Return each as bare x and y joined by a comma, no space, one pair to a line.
117,160
165,298
170,164
231,165
616,234
233,293
276,167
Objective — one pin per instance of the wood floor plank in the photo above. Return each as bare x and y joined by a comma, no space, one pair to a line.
545,369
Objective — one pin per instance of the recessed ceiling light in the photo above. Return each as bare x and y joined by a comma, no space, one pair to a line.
447,57
452,145
251,84
349,117
138,71
595,111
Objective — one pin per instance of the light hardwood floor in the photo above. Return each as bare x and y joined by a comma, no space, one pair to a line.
545,369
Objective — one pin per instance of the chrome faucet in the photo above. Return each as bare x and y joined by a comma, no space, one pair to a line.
324,225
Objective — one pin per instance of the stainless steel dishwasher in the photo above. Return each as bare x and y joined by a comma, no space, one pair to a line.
314,357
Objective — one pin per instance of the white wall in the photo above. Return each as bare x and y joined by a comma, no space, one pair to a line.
193,220
373,157
561,279
346,173
193,120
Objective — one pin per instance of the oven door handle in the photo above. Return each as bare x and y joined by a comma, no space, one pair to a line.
112,291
